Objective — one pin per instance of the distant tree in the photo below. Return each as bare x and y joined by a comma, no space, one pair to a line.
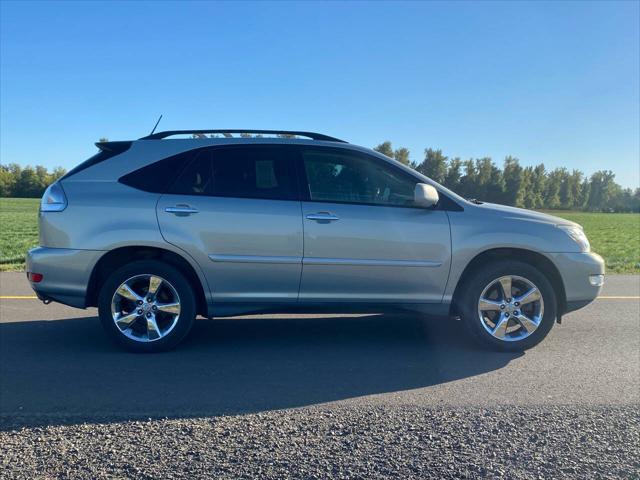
103,139
585,193
28,184
490,184
434,165
402,155
553,185
570,191
635,200
528,194
468,182
602,190
44,178
513,178
57,173
625,200
536,186
7,180
454,174
385,148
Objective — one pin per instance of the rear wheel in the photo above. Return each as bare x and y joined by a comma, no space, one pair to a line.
147,306
508,305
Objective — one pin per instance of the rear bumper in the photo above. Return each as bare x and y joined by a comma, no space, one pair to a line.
66,273
575,269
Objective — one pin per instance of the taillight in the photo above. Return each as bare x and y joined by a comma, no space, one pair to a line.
35,277
54,199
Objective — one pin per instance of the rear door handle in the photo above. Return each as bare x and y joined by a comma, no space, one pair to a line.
322,217
181,210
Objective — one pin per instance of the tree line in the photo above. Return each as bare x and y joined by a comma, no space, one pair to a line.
27,182
526,187
481,178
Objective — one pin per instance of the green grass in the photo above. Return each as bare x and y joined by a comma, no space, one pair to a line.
615,236
18,230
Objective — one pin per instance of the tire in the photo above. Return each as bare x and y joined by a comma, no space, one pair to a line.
167,316
524,328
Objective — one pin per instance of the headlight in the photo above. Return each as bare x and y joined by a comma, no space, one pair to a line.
54,199
577,235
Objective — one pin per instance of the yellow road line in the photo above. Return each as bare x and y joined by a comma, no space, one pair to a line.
18,297
618,297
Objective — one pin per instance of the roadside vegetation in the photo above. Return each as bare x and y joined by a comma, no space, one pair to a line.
18,230
615,236
532,187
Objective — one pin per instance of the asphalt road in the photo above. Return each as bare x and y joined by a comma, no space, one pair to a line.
317,396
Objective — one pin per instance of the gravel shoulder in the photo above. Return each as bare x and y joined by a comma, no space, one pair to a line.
322,442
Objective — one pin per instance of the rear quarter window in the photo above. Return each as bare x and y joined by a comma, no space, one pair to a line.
158,176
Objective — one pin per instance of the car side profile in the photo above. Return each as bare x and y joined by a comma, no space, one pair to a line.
159,230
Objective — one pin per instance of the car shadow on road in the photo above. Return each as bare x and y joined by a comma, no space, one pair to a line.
67,371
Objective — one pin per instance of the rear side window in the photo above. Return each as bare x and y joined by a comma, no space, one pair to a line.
242,172
157,177
107,150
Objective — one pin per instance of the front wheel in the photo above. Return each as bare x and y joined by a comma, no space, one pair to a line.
147,306
508,305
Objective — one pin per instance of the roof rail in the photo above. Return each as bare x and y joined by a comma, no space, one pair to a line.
228,132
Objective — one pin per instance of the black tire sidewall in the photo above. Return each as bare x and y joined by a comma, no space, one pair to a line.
484,275
167,272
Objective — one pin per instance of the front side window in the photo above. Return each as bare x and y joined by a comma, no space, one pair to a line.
242,172
349,177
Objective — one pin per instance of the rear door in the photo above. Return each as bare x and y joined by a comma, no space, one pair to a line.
235,209
364,240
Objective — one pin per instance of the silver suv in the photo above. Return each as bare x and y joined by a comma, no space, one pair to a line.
156,231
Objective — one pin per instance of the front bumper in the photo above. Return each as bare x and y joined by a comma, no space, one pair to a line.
575,270
66,273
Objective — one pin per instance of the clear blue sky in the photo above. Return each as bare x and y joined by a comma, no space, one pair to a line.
557,83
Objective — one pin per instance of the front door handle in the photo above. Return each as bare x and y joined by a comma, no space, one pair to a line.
322,217
181,210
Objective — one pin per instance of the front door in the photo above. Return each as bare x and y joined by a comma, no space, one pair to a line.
235,210
364,241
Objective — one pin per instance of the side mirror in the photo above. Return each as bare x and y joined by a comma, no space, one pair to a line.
425,195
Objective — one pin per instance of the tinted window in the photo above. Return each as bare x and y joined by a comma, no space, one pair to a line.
245,172
157,176
341,176
196,177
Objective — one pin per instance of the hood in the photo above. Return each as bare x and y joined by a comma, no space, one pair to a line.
523,214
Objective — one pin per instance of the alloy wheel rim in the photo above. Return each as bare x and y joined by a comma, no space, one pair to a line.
145,308
511,308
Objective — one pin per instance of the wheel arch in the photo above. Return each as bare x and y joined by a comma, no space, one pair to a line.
115,258
535,259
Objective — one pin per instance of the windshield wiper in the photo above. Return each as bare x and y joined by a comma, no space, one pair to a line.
474,200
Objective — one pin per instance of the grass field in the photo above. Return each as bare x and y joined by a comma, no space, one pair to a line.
615,236
18,230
